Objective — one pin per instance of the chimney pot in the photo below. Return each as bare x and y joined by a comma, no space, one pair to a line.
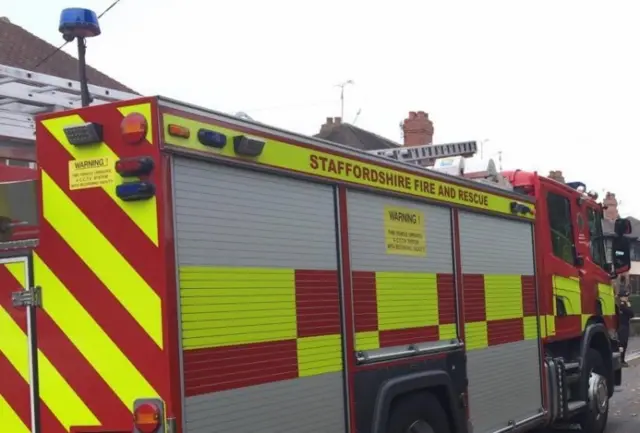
337,120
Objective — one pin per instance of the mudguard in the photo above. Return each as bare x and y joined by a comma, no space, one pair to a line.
416,382
592,330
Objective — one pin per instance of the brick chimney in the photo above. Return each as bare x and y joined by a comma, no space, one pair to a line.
611,204
417,129
556,175
331,123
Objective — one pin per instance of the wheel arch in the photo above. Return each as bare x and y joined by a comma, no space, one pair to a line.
596,337
437,382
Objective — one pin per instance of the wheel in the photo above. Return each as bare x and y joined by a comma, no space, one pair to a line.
418,413
594,420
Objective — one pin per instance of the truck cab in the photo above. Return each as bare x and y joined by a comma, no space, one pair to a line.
576,298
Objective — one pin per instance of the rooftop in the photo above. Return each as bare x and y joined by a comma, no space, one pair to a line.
20,48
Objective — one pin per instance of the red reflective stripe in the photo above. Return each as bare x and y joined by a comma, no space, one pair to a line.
505,331
365,304
474,298
401,337
446,299
222,368
317,303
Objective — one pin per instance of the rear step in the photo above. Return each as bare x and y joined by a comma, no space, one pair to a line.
566,375
576,406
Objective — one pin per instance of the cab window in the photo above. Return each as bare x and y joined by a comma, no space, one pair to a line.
561,227
596,239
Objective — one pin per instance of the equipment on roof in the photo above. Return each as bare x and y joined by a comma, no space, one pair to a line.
25,93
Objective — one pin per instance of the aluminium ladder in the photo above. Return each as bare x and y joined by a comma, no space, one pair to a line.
24,94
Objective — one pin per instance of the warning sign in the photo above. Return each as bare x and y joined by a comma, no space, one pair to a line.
404,231
91,173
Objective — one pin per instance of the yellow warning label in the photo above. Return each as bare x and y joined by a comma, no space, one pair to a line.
404,231
91,173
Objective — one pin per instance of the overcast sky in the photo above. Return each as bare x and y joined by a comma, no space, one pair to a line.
551,84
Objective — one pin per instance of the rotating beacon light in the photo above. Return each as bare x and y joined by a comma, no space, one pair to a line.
79,24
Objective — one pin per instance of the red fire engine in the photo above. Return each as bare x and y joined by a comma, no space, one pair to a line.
170,269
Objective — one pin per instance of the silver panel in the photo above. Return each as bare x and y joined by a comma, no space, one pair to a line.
229,217
367,236
504,380
278,407
232,217
504,384
493,245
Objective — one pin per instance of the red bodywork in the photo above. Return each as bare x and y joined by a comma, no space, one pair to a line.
590,274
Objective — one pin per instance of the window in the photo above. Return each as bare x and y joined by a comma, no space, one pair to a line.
635,251
634,284
596,239
561,227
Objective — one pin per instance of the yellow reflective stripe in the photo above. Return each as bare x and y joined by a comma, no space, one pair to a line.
59,397
607,298
530,327
224,306
406,300
568,289
91,340
503,296
551,325
122,280
145,110
448,332
585,319
9,419
19,272
142,213
476,335
368,340
319,355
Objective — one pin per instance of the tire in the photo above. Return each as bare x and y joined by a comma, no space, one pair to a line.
594,420
418,413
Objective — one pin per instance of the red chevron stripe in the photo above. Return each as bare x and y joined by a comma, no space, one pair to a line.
105,309
107,216
70,363
16,391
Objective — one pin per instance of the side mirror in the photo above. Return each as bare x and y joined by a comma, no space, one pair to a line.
622,227
621,253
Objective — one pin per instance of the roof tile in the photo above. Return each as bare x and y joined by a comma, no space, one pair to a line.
20,48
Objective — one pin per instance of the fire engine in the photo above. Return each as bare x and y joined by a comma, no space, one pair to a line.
168,268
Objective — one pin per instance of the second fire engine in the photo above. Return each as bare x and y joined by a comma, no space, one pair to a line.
195,272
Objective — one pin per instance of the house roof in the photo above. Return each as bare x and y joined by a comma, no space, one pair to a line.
608,227
20,48
350,135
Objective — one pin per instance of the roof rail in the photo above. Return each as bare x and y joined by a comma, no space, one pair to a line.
24,94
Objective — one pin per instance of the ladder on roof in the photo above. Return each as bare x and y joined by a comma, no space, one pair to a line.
24,94
454,164
416,154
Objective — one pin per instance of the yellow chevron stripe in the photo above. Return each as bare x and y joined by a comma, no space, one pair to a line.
102,258
10,420
145,110
19,271
142,213
57,394
91,340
